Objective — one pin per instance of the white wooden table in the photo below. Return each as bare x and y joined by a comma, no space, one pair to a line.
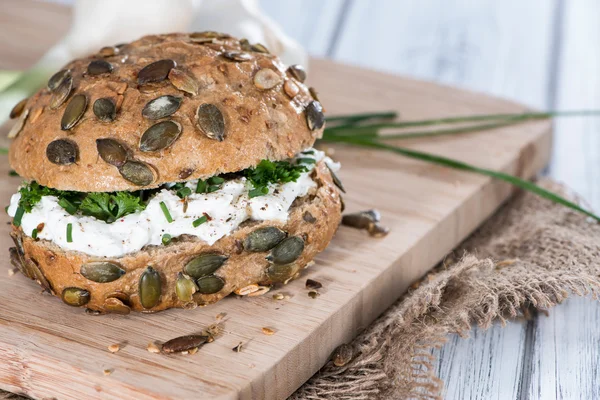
540,52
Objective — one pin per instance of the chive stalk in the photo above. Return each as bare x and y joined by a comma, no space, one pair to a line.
200,221
166,212
69,232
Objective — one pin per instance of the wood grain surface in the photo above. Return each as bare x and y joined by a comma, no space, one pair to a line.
50,350
542,53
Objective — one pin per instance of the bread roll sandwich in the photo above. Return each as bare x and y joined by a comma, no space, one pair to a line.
170,172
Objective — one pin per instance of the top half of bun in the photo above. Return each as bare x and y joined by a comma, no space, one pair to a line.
237,104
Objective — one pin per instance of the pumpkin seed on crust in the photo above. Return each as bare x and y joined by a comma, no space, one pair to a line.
263,239
287,251
210,284
73,112
18,109
111,151
204,265
210,120
149,288
155,72
101,271
137,172
161,107
105,109
75,297
62,152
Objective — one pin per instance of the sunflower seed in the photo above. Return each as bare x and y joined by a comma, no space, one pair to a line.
308,217
210,284
342,355
298,72
98,67
73,112
75,297
290,88
280,273
116,306
209,34
160,136
266,79
105,109
210,120
153,348
246,290
149,288
58,78
108,51
184,343
17,110
259,48
185,288
114,348
101,271
312,284
137,172
204,265
184,81
202,40
238,56
161,107
314,115
111,151
313,93
62,152
335,179
17,262
155,72
264,239
287,251
260,291
18,126
62,92
238,348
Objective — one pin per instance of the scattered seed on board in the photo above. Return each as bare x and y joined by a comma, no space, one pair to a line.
113,348
107,372
278,296
342,355
220,316
153,348
268,331
313,294
238,348
312,284
184,343
261,290
246,290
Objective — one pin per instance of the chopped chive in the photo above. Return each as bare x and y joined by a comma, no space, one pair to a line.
165,211
201,186
213,188
259,191
166,239
215,180
305,160
308,152
18,216
67,205
200,221
184,192
12,172
69,232
6,209
34,233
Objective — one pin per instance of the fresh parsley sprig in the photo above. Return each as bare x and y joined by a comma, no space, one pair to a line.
267,172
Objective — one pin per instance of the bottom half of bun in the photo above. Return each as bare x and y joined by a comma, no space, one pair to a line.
157,277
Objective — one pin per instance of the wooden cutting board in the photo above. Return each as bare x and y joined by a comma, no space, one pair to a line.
49,350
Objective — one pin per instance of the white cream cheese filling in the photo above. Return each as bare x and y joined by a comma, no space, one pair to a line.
226,208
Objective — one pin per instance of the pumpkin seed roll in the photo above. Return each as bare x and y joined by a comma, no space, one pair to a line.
170,172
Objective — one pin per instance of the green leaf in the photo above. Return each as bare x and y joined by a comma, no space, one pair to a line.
97,205
126,203
516,181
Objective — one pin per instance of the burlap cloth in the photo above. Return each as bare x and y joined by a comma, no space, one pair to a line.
532,253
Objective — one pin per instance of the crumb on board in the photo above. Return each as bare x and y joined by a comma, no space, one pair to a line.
113,348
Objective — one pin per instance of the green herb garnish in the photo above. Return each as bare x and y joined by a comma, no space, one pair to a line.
166,239
200,221
201,186
184,192
267,172
34,233
306,160
18,216
12,172
165,211
215,180
69,232
107,207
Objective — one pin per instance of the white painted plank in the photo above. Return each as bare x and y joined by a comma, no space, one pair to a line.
311,22
565,355
502,48
498,47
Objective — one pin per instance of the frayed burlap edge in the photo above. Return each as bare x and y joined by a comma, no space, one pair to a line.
532,253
